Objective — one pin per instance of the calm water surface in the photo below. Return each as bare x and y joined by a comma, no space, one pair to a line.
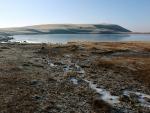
64,38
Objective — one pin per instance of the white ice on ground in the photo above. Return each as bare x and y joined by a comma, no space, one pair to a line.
105,95
140,96
51,64
74,81
72,67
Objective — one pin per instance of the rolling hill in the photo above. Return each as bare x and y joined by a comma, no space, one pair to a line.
66,29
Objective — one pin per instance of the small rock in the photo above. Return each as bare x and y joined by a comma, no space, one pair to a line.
81,48
37,98
67,56
34,82
58,63
147,99
125,98
100,106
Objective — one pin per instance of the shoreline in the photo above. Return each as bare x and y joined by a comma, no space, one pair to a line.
7,38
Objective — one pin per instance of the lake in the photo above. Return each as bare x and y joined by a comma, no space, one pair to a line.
64,38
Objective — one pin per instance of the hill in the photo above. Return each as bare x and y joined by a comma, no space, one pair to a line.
66,29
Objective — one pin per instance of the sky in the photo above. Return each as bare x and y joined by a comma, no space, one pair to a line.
131,14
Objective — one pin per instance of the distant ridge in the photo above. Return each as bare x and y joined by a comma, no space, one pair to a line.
66,29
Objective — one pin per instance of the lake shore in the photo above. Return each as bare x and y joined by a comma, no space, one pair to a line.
64,38
82,77
5,37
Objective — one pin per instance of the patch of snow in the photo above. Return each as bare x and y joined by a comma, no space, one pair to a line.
141,97
51,64
74,81
105,95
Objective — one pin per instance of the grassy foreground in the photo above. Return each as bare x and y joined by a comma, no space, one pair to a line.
50,78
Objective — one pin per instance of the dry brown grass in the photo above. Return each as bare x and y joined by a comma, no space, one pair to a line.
144,75
119,64
15,94
141,67
116,64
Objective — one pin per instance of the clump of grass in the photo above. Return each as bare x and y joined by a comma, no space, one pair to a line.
117,65
103,63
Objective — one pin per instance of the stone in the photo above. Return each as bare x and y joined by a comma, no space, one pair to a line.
101,106
147,99
125,98
34,82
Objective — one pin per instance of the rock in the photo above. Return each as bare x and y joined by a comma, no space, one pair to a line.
34,82
81,48
120,110
125,98
85,64
101,106
5,47
43,50
122,88
67,56
79,69
51,80
52,65
37,98
38,65
147,99
81,72
58,63
26,64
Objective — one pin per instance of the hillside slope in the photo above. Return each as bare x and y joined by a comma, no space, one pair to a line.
66,29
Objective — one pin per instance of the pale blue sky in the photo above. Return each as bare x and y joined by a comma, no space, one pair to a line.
132,14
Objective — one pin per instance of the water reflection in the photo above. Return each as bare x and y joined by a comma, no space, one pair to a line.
64,38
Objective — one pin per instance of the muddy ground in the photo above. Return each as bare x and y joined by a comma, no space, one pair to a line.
102,77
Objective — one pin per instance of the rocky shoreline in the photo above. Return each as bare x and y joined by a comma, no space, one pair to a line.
5,37
78,77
